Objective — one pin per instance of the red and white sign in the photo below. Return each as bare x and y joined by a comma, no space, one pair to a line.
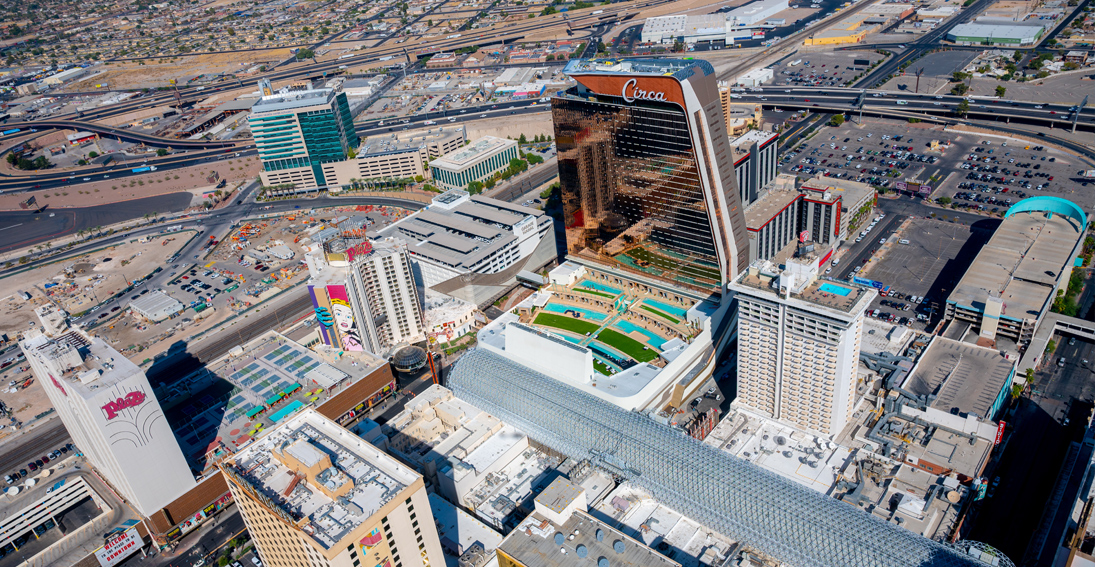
119,548
1000,432
58,385
132,399
804,236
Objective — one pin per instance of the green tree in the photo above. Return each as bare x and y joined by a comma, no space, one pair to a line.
41,162
549,11
836,120
1030,376
82,162
960,89
93,155
1050,347
1016,391
161,152
678,46
306,54
1001,90
475,187
1017,56
944,200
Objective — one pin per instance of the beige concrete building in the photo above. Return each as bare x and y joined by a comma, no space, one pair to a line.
798,344
378,161
314,494
477,162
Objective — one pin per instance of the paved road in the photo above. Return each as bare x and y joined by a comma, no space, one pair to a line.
21,229
33,445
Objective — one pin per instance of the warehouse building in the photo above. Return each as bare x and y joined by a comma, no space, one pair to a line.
995,34
756,12
156,306
689,29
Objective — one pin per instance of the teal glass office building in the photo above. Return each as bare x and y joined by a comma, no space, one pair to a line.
306,128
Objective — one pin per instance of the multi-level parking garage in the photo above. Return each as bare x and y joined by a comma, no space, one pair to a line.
776,516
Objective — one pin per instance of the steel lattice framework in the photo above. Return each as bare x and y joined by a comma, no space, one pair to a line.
776,516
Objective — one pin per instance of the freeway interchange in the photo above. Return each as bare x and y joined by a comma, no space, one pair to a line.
884,103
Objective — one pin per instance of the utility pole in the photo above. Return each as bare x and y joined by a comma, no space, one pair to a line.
919,72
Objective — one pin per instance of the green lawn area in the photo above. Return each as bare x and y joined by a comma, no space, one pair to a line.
660,314
601,367
566,323
670,264
594,292
627,345
619,341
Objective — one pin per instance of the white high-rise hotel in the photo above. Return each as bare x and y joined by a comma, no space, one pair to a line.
107,405
798,344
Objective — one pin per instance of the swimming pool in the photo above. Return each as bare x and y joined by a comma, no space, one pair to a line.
835,289
652,339
586,313
599,287
667,308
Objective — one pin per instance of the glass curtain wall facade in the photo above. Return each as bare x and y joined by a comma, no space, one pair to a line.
631,190
308,137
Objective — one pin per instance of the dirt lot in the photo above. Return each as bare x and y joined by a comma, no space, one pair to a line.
123,186
530,125
158,72
84,278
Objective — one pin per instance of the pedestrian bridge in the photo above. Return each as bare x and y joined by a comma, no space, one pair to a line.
1051,324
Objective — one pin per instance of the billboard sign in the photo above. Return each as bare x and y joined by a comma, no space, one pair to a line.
117,549
925,190
862,62
867,282
1000,433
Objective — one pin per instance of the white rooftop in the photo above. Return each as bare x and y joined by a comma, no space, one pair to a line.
309,436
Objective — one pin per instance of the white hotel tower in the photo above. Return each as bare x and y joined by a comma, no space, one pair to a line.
798,344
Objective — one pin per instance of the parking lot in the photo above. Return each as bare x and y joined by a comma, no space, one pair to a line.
938,69
996,173
880,159
836,69
924,259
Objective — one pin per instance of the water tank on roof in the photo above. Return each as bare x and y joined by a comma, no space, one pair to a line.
581,551
600,535
559,539
618,546
602,562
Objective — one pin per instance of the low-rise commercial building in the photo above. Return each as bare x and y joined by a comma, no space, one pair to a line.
995,34
755,13
156,306
477,161
561,533
755,77
380,162
687,29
